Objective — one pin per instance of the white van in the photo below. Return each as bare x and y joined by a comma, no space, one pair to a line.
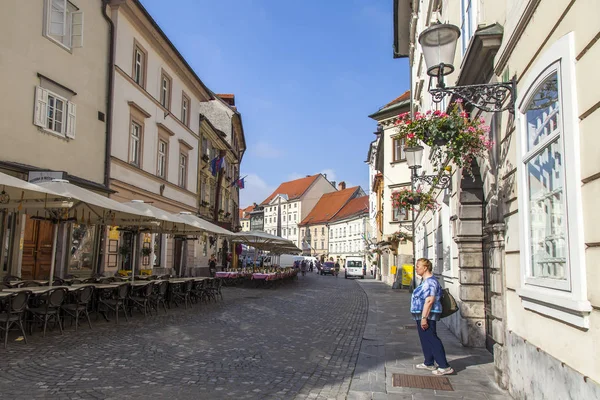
354,267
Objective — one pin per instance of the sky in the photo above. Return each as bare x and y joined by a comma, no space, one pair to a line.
305,74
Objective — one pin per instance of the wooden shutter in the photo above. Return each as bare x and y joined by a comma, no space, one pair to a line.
71,120
57,17
77,29
40,115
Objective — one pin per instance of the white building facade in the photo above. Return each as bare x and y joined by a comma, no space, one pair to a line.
521,234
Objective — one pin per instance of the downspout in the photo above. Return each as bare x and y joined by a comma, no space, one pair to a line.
109,94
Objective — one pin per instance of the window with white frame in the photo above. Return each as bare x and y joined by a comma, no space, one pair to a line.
165,90
139,65
185,109
161,169
183,162
552,259
203,189
64,23
468,22
398,149
135,144
54,113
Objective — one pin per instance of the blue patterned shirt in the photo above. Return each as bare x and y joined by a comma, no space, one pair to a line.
428,287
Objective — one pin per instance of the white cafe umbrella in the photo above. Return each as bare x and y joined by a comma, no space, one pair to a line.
203,224
97,208
261,240
13,191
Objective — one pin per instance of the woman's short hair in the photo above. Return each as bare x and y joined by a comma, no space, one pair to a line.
426,263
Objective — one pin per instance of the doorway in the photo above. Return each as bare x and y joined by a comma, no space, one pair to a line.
37,249
177,255
487,294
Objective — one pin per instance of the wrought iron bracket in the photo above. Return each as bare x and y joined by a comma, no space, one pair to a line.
438,181
493,97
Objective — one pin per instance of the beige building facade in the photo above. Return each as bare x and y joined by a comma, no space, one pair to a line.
55,73
389,160
522,234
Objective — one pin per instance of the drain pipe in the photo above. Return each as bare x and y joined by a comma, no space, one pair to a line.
109,93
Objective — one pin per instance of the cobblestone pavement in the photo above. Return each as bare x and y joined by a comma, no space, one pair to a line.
300,340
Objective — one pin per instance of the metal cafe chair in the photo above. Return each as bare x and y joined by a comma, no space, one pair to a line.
79,306
140,298
16,304
51,302
159,296
117,301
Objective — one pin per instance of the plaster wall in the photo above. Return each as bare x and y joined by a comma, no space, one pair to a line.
28,52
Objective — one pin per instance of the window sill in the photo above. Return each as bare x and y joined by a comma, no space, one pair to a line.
53,133
557,305
398,162
60,44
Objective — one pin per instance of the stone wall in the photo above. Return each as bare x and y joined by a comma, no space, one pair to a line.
535,375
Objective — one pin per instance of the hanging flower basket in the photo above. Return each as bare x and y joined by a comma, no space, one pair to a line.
413,200
452,136
399,237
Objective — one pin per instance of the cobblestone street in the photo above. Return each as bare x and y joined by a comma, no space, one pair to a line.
301,339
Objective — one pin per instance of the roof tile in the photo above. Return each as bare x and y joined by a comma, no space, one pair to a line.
293,189
328,205
355,206
402,97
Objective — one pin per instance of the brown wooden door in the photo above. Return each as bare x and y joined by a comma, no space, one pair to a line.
177,256
37,250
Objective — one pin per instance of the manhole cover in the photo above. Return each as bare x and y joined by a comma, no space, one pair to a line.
421,382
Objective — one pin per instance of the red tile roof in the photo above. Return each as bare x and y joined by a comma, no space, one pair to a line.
293,189
328,205
245,212
402,97
355,206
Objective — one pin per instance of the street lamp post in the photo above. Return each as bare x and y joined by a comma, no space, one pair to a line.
414,157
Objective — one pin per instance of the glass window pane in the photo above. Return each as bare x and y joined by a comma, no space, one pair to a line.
543,112
547,213
81,254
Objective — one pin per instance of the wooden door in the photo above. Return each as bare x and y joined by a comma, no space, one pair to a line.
37,249
177,254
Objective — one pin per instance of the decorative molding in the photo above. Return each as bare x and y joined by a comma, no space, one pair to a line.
186,144
165,128
139,108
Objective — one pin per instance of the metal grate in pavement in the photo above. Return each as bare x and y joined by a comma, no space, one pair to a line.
421,382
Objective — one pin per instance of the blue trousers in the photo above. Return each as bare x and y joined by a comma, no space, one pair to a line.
432,346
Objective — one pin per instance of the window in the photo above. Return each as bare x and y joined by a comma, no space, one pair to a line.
322,245
295,205
315,231
161,169
295,231
54,113
468,22
165,90
398,149
157,249
322,231
205,149
183,170
399,214
64,23
552,261
203,189
135,144
139,64
185,110
212,193
331,234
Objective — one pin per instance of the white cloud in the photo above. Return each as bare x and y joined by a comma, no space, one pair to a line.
255,190
330,174
265,150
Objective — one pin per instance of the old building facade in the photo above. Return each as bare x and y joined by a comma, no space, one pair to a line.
390,173
520,251
55,70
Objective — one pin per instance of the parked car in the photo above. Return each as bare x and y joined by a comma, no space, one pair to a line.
354,267
328,268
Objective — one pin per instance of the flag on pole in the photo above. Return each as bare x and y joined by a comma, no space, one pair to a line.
215,165
240,183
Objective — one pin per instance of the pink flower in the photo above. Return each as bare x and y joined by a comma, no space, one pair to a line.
459,100
437,113
471,129
464,114
411,135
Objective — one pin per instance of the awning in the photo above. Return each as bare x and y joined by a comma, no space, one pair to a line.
170,223
93,208
14,190
203,224
261,240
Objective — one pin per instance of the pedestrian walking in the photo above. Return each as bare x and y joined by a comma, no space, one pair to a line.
310,267
426,308
303,267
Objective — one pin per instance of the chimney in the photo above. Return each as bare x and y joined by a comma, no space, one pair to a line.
342,185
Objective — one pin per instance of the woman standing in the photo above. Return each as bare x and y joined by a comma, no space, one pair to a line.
426,308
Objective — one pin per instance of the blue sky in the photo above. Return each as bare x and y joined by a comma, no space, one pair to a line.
305,75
